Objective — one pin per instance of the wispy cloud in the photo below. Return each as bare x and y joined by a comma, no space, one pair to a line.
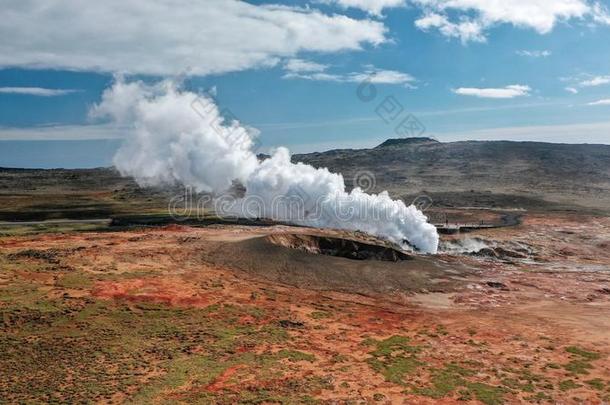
534,54
62,133
373,7
605,101
306,70
210,37
37,91
584,80
512,91
469,20
382,76
595,81
300,66
420,113
466,29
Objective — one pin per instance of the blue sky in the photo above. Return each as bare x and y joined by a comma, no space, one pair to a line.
520,70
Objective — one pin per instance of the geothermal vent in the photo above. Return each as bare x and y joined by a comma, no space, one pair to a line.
338,247
175,140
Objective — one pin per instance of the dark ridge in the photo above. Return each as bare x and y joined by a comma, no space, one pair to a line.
406,141
338,247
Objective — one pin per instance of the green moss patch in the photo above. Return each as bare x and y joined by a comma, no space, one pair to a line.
587,355
596,383
320,315
454,378
93,350
581,360
566,385
394,358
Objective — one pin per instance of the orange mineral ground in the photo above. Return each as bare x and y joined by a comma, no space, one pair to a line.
237,314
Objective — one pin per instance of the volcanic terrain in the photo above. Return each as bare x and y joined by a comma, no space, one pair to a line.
112,303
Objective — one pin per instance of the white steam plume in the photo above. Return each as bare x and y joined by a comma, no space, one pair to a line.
180,137
170,142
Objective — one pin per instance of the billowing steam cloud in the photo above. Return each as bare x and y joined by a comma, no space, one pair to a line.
180,137
170,142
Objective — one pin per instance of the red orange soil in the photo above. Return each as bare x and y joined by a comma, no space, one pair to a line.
221,381
553,300
170,291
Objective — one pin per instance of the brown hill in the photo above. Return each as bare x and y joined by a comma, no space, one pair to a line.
488,173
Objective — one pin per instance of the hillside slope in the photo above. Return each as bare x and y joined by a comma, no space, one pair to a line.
480,173
458,174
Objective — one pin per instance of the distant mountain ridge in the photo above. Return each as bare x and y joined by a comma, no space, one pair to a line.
472,172
501,174
406,141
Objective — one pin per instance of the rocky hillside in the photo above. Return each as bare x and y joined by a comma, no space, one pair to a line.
458,174
479,173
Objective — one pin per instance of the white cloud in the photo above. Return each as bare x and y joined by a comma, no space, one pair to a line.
466,30
371,74
534,54
300,65
512,91
320,76
170,37
595,81
600,14
62,133
576,83
373,7
473,17
605,101
36,91
380,76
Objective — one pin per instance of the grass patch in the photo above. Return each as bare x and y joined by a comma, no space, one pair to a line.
75,280
578,367
202,370
515,384
538,397
339,358
295,355
394,369
394,344
488,394
587,355
94,349
596,383
445,381
394,358
582,363
319,315
453,378
566,385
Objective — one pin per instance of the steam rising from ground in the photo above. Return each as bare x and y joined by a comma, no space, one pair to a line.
462,246
181,137
170,142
